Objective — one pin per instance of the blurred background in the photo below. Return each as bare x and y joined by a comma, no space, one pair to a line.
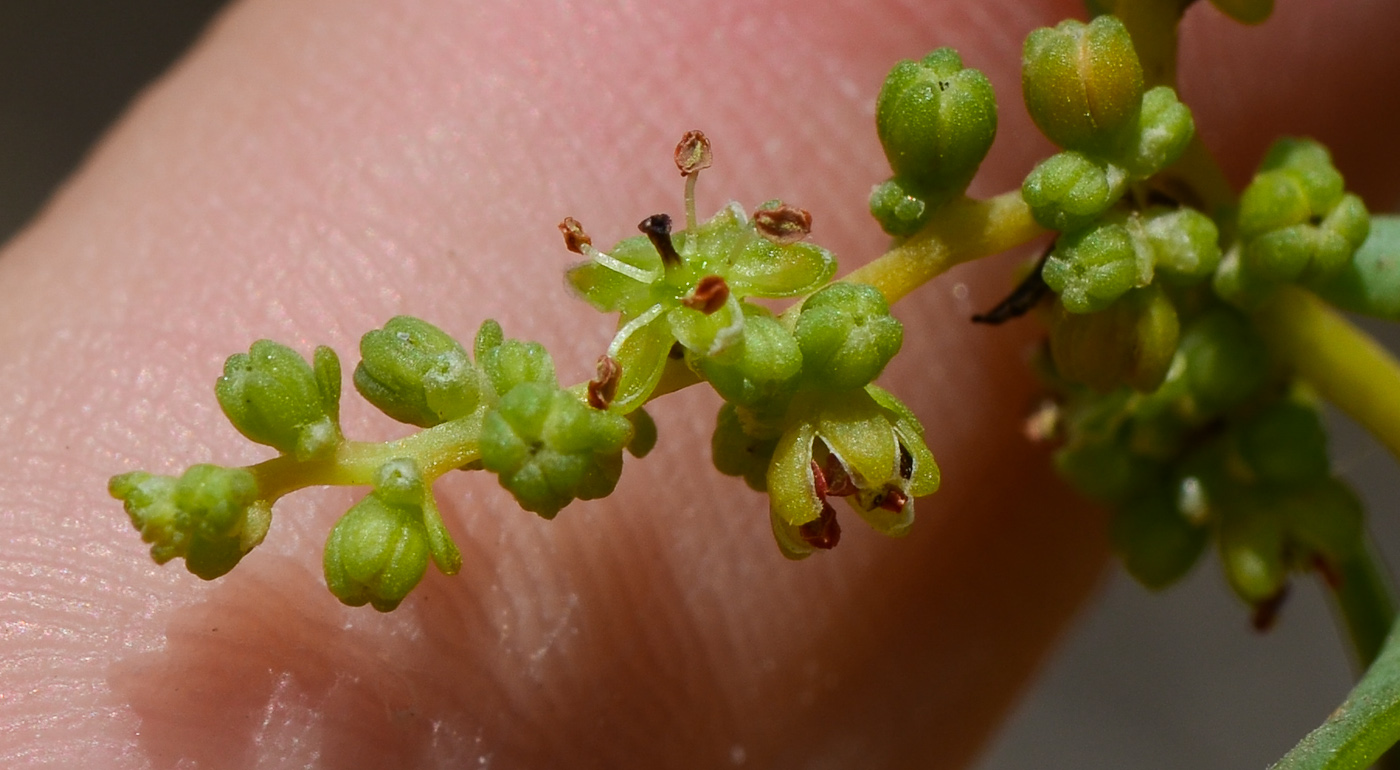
1142,681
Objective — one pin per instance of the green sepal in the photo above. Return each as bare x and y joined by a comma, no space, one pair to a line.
858,431
510,362
1157,545
1251,541
274,397
936,121
1092,268
924,477
846,335
1083,83
1069,190
416,373
1370,283
211,515
548,448
792,493
642,355
759,267
707,334
789,539
1132,342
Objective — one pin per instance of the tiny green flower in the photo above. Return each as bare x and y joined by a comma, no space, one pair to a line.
1370,282
1091,268
416,373
1285,445
761,369
376,554
272,396
548,448
1223,361
1164,130
1185,244
1251,540
696,299
1158,545
1070,190
510,362
1132,342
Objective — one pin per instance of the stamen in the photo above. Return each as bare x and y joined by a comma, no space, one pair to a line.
824,532
692,154
657,229
1266,612
731,333
603,388
894,500
631,328
710,294
838,479
784,224
577,241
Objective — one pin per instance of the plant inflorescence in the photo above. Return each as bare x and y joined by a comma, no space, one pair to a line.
1185,359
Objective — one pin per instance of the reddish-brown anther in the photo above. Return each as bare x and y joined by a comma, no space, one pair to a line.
1266,612
711,292
894,500
657,229
693,153
574,236
838,481
823,532
784,224
602,388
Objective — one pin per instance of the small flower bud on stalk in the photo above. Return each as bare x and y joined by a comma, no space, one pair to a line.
272,396
1083,84
416,373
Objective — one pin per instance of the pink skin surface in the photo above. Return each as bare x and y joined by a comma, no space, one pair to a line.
313,168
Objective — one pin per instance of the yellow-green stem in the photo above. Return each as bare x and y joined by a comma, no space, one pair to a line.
1153,25
1345,365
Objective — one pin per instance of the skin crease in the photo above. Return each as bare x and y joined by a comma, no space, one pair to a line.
314,168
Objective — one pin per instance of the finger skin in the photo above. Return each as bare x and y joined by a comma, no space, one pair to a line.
317,167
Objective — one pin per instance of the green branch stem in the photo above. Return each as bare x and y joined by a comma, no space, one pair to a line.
1153,26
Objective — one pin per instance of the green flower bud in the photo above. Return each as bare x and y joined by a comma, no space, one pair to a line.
900,210
1164,131
1132,342
548,448
376,553
416,373
1107,472
1069,190
1245,11
1224,362
1157,544
1286,445
1185,244
936,121
643,433
1370,282
1091,268
508,363
1082,83
736,453
761,369
846,335
1326,518
210,515
272,396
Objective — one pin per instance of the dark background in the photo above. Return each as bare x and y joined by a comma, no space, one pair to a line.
1143,681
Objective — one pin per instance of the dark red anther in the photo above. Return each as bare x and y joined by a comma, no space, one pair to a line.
603,388
693,153
657,229
823,532
1266,612
574,236
819,480
894,499
784,224
711,292
906,463
1329,572
838,481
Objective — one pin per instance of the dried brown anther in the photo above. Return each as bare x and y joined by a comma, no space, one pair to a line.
822,532
657,229
710,294
1266,612
693,153
603,388
784,224
574,236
